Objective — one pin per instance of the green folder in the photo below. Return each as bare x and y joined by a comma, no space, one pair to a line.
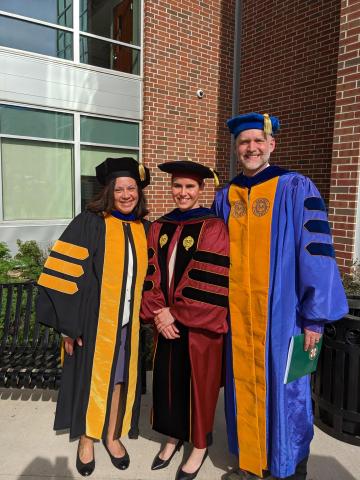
299,362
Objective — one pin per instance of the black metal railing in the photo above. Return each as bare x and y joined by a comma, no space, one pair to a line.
336,383
29,351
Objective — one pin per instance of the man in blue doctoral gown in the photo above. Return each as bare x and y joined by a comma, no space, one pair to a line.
283,281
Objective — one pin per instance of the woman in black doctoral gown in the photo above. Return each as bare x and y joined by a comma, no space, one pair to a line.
90,291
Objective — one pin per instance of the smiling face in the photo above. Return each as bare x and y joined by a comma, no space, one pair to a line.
186,193
126,194
253,148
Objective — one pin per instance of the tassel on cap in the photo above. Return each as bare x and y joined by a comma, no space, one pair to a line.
216,178
258,121
267,124
142,172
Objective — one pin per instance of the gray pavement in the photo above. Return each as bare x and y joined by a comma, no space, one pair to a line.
31,450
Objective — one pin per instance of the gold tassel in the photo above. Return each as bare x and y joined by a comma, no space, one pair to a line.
216,178
267,124
142,172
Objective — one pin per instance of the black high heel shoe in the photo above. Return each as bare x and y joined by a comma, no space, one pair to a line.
159,463
122,463
181,475
85,469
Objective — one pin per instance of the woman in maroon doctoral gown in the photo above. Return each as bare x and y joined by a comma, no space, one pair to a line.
185,295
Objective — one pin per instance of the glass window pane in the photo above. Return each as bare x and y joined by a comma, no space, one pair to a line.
109,55
90,158
115,19
109,132
28,122
37,180
52,11
36,38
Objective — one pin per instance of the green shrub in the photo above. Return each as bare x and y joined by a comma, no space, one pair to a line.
4,251
351,281
6,263
30,258
25,265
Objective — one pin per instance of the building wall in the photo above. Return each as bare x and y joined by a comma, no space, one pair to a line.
188,45
344,211
289,68
44,70
44,81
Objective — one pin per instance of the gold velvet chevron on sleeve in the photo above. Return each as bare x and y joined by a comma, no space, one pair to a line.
54,265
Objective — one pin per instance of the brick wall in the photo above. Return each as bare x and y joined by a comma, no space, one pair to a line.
187,45
289,68
290,51
346,147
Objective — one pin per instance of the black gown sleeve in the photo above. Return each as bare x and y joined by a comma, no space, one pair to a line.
66,275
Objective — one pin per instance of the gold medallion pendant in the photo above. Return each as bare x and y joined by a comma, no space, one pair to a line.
163,240
188,242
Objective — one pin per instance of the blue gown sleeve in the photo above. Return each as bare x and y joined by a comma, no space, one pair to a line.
221,206
320,291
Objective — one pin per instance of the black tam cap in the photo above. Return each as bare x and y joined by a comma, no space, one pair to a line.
123,167
187,168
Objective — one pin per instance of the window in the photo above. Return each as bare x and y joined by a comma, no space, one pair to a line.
37,180
37,174
106,35
28,122
47,174
109,132
52,11
114,20
27,26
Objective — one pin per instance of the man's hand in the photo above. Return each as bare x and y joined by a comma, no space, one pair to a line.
69,344
164,323
310,339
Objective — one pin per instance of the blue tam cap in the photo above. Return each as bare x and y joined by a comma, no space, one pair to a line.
247,121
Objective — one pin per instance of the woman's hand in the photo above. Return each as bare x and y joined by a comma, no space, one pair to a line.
164,323
170,332
69,344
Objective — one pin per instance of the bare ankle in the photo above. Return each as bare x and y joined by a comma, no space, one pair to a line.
86,441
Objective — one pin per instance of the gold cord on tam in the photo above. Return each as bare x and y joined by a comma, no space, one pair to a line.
267,124
142,172
216,178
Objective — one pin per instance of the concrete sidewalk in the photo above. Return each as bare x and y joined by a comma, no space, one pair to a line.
30,449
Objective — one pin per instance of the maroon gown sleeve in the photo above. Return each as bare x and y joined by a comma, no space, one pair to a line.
153,297
201,297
